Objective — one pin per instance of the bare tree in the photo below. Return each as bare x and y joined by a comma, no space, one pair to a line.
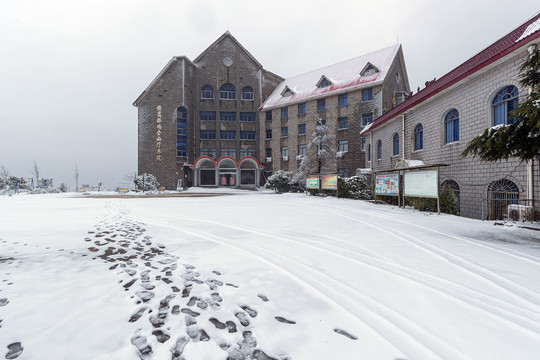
76,177
4,173
35,172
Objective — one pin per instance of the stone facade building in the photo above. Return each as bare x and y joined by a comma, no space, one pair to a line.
345,96
198,120
436,124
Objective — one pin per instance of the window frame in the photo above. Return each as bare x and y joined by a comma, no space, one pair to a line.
366,118
342,119
248,94
227,91
249,135
207,92
284,112
395,144
379,149
303,128
248,117
451,122
343,100
343,146
367,94
284,129
268,132
302,109
207,132
302,150
418,133
227,135
207,115
321,104
268,115
507,98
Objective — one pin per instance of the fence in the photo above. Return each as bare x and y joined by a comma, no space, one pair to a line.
496,206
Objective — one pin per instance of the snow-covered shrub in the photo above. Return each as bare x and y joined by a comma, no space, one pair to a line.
63,187
354,187
279,181
146,182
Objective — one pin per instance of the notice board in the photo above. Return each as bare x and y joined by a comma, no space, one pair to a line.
421,183
387,184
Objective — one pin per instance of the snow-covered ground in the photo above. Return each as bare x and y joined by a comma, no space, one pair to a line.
257,275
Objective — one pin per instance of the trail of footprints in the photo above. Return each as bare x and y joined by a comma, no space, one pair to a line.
171,296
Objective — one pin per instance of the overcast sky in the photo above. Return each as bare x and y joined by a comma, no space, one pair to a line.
70,70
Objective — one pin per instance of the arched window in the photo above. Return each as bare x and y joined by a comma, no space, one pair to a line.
503,103
395,144
207,92
451,126
379,149
181,131
454,187
418,137
501,193
227,92
247,93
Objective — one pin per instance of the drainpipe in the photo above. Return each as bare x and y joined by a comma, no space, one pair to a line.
403,137
530,178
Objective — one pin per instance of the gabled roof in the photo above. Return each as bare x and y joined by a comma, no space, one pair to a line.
220,39
369,66
227,34
519,37
158,77
344,76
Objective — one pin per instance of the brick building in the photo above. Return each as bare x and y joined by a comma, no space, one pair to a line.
198,120
345,96
436,124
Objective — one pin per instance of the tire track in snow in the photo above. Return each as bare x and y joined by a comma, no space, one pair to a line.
516,290
500,309
397,330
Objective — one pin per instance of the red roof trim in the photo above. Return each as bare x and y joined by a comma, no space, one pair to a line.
494,52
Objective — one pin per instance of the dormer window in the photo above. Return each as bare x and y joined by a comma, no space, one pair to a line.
323,82
287,92
369,70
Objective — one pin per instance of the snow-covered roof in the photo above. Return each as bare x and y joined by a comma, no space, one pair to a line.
408,163
343,76
512,41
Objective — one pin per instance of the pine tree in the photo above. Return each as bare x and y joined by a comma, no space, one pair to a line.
321,155
522,138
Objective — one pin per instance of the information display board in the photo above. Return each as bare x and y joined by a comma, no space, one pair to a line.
312,182
329,182
387,184
422,183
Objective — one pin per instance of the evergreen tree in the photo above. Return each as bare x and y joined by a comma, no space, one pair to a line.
321,155
522,138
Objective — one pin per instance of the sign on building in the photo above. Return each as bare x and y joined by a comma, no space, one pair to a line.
387,184
421,183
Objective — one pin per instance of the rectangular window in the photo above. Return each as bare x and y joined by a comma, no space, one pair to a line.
208,134
284,112
343,100
268,134
247,135
208,152
284,152
343,173
367,94
302,109
248,152
268,152
302,150
301,129
269,115
228,152
284,131
343,123
367,118
321,122
227,116
227,135
208,115
249,116
343,145
321,104
363,144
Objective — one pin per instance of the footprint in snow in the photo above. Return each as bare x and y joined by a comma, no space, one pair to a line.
283,320
14,350
344,333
